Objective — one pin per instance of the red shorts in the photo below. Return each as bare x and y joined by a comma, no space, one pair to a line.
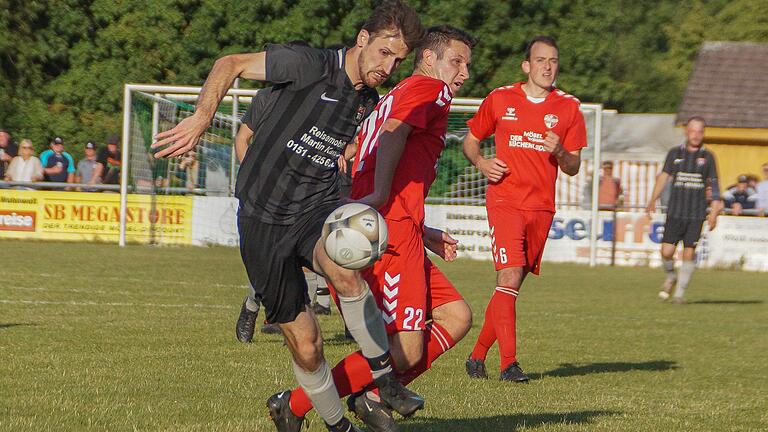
518,236
406,284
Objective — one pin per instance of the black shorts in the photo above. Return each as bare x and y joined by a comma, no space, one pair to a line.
686,230
274,255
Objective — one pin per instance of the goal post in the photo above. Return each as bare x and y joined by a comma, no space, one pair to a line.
149,109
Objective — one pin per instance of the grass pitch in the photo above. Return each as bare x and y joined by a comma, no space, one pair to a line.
93,337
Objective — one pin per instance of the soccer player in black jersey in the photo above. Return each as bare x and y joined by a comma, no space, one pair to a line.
288,184
693,172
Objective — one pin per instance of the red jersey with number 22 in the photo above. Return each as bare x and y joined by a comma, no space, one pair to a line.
520,127
423,103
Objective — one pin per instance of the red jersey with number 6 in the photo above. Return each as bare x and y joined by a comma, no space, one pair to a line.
423,103
520,127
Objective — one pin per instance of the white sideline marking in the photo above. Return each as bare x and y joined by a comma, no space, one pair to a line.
120,293
88,303
153,282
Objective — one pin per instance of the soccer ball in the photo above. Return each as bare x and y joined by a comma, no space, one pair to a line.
355,236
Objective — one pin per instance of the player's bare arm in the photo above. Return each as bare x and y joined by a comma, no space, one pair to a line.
242,138
391,145
494,168
661,181
569,162
716,206
185,135
440,242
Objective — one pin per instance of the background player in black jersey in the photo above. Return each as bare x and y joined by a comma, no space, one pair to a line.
288,184
693,172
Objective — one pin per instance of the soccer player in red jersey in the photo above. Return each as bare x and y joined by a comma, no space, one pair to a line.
399,145
537,129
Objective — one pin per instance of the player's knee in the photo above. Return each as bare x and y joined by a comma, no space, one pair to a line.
308,355
455,318
510,277
347,283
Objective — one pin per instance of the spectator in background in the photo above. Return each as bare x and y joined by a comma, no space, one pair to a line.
25,167
740,197
8,150
88,169
188,170
762,193
109,158
609,195
58,165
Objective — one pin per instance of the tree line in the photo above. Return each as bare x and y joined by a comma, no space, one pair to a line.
63,62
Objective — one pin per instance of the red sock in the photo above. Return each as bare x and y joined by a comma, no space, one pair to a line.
351,375
436,341
487,336
503,306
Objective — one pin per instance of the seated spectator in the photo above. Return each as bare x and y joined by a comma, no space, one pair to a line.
609,195
8,150
88,169
762,193
58,165
188,171
26,167
109,158
740,197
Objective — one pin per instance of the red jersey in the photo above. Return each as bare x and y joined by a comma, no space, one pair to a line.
423,103
519,126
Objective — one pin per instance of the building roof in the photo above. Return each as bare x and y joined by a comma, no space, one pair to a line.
728,86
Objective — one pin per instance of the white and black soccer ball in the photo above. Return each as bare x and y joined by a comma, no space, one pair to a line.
355,236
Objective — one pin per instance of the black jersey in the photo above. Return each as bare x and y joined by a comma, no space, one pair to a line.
290,167
692,173
259,105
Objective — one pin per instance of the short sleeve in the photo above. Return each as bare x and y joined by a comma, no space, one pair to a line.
299,66
483,124
71,167
256,109
44,157
576,135
419,105
669,163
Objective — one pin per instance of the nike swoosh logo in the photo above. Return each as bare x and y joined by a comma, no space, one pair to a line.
368,406
280,396
327,99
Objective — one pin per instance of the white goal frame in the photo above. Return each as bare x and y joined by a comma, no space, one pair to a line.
189,93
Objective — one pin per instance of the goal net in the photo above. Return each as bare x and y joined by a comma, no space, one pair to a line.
210,171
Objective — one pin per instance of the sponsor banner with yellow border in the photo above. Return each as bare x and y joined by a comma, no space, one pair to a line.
84,216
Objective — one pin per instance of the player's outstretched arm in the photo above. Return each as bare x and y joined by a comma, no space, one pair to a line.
394,134
440,242
185,135
494,169
661,181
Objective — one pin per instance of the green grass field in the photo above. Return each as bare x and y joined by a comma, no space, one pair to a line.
93,337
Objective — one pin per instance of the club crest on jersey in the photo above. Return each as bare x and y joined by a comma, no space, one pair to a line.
360,113
550,120
701,161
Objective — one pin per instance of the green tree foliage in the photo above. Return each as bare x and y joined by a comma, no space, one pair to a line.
63,62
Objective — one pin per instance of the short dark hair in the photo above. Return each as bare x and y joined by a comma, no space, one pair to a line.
438,38
546,40
395,15
696,118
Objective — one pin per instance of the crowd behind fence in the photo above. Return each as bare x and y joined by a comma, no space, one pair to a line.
625,185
